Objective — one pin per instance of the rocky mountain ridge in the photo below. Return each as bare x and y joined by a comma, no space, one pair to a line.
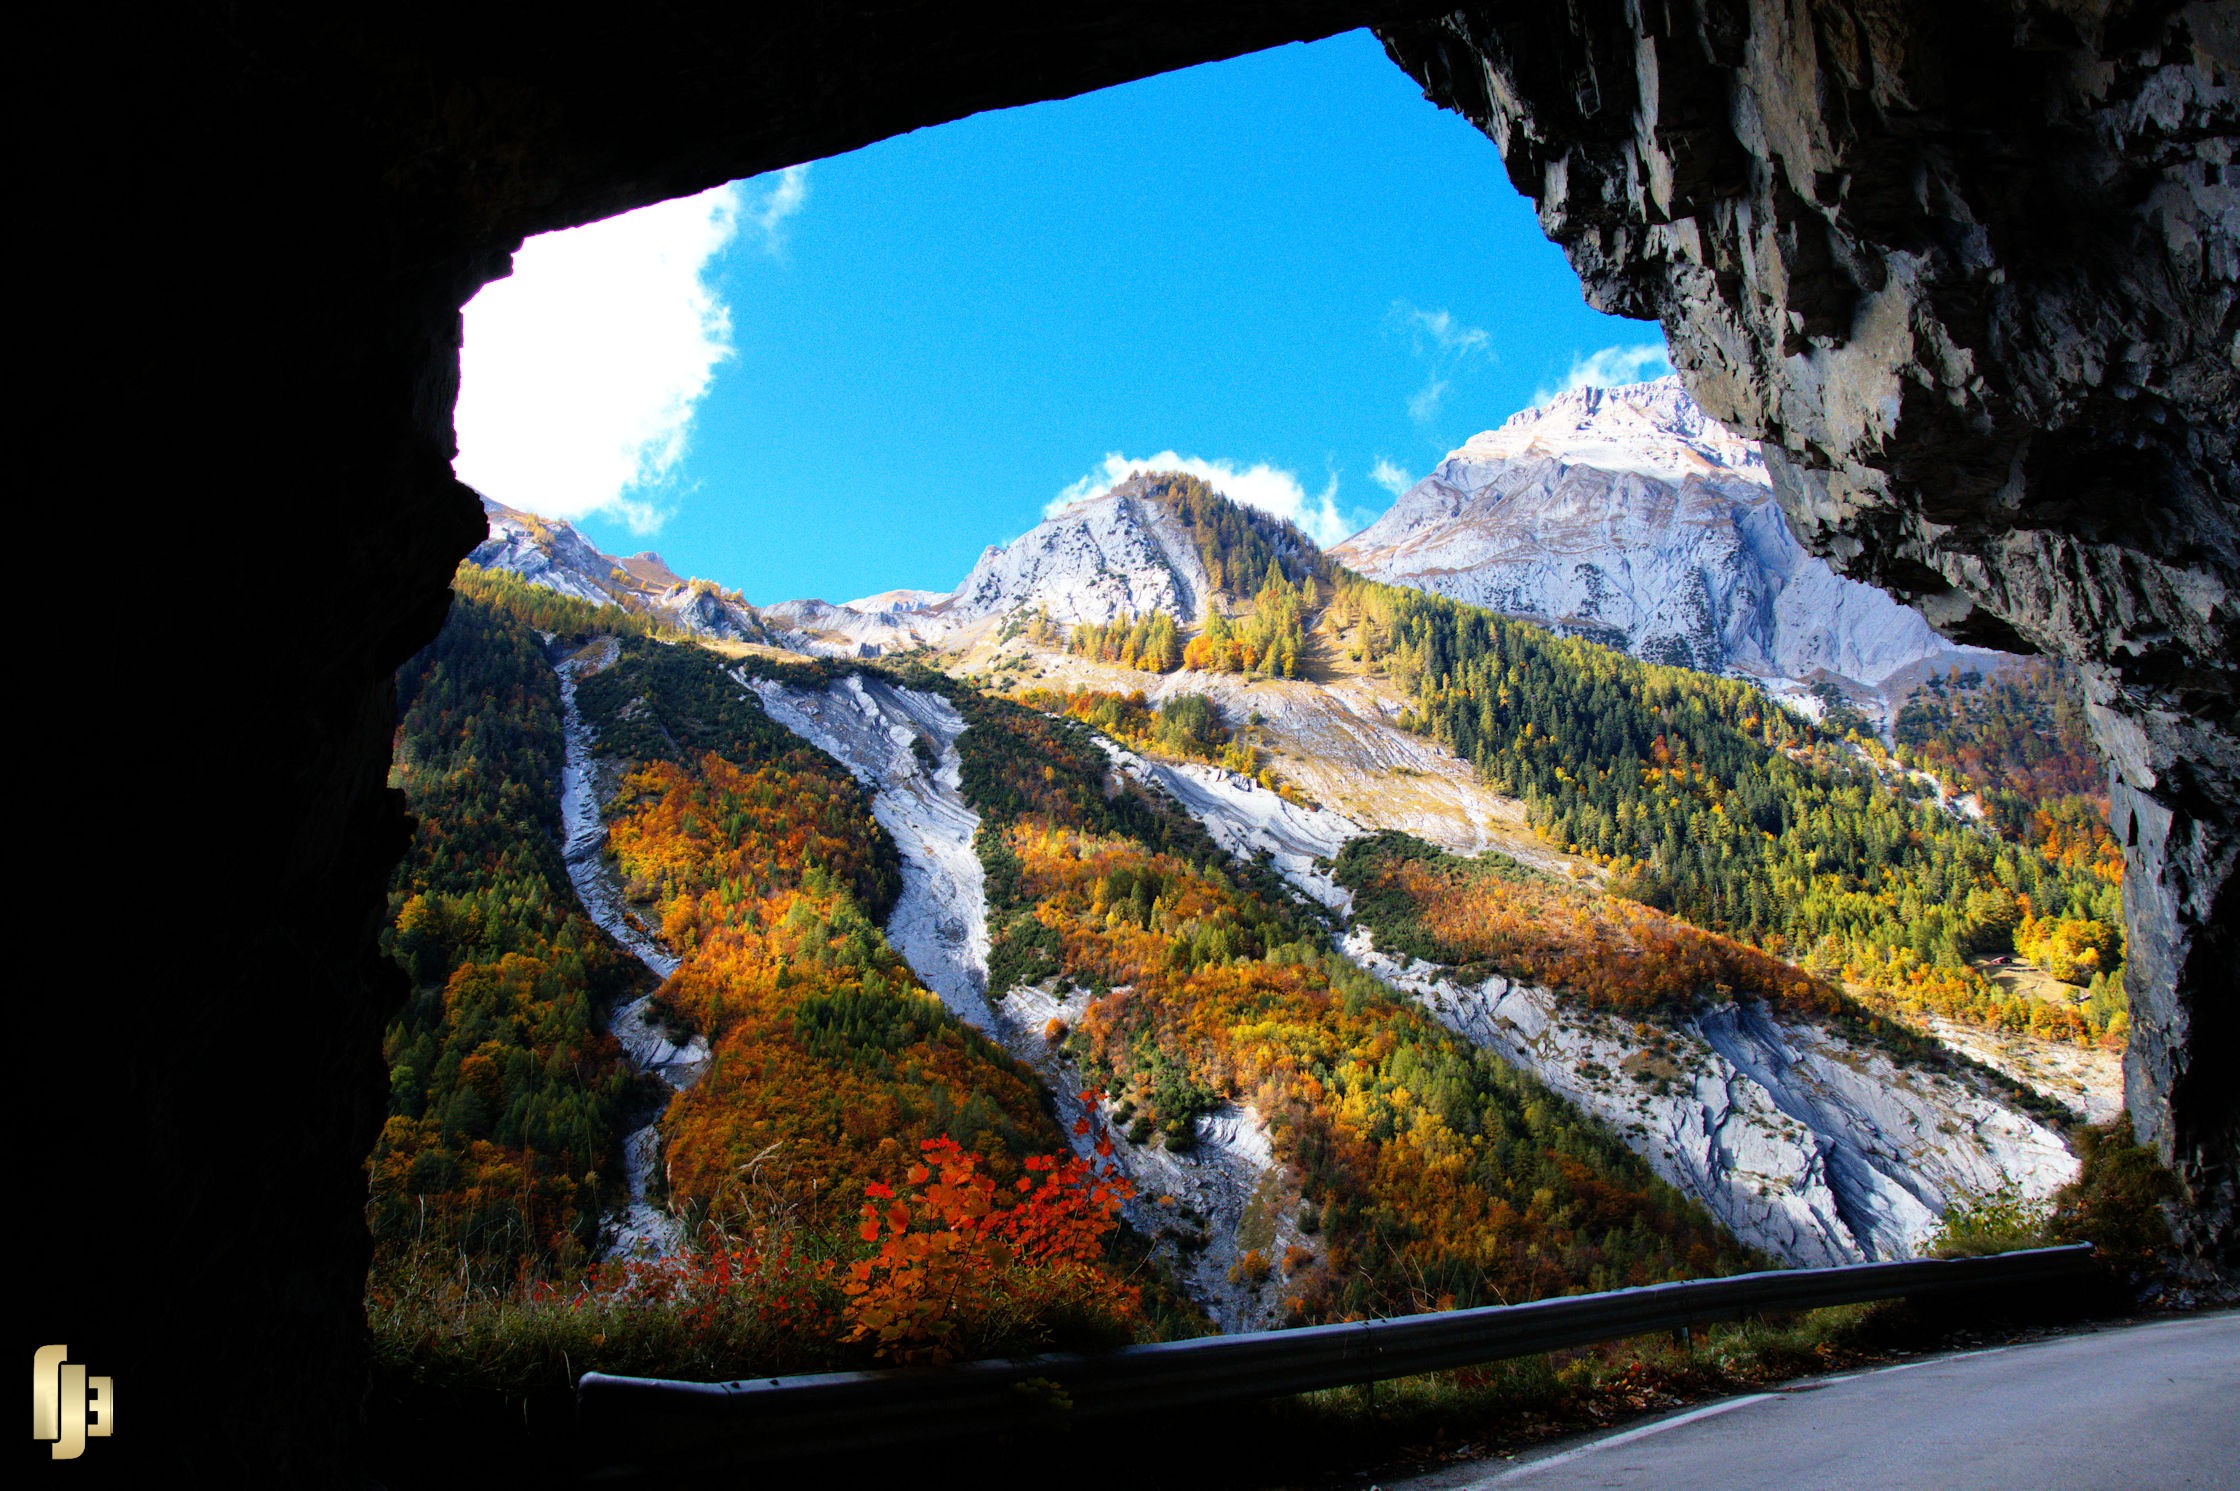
1626,515
1120,553
1629,516
1123,553
551,553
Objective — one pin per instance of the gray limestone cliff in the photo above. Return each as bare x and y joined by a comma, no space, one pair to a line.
1626,516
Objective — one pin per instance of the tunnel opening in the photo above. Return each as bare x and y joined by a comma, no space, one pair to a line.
406,154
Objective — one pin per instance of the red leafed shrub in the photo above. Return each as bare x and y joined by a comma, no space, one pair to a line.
953,1265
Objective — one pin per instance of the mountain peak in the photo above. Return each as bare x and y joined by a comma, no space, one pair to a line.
1630,516
1649,429
1121,552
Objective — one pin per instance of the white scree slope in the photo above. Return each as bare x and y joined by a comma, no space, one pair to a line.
642,1228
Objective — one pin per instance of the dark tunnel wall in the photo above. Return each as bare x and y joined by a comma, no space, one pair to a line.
254,226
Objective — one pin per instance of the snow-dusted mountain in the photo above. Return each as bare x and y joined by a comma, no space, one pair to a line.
1125,552
1630,516
550,553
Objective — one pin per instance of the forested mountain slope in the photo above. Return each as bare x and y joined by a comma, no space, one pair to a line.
1380,1157
508,1096
1425,1173
1706,801
833,1080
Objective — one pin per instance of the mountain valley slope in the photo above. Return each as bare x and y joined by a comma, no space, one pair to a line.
1767,1136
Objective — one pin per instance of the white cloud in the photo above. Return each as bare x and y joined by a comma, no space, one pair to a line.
1390,476
1268,488
1444,344
787,195
1611,367
580,373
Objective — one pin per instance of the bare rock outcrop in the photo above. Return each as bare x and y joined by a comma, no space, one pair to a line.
1971,270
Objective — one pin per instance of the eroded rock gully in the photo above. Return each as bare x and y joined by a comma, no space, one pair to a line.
1971,269
1968,265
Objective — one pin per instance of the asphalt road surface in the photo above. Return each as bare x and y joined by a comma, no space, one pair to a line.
2151,1407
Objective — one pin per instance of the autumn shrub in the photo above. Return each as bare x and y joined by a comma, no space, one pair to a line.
956,1272
1999,1221
2116,1202
757,1305
950,1265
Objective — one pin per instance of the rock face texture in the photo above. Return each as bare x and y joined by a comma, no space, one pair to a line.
1970,269
1629,516
1120,554
259,223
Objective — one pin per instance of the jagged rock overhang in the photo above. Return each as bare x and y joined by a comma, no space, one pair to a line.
1971,269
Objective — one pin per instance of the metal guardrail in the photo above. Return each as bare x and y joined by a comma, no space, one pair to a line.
776,1417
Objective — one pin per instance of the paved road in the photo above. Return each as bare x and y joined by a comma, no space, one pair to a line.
2137,1408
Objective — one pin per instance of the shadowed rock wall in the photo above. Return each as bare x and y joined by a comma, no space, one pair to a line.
255,224
1971,269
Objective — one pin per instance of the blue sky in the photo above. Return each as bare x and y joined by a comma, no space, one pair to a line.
854,375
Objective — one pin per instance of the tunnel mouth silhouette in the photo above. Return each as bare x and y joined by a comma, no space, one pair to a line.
259,231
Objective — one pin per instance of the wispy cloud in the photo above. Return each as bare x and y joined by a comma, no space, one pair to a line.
786,194
1443,330
1390,476
1423,404
1443,344
1268,488
1611,367
580,373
